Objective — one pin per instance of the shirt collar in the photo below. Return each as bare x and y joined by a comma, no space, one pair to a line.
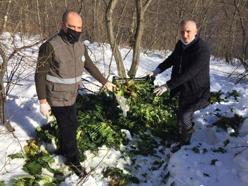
189,44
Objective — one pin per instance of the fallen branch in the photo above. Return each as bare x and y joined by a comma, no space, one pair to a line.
82,180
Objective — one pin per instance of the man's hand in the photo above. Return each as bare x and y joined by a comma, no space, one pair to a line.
110,86
160,90
45,109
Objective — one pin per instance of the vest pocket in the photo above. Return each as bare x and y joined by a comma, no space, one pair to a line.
62,92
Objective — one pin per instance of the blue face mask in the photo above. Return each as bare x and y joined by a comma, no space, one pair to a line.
72,35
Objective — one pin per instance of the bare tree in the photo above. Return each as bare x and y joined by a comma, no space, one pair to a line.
16,74
140,12
3,67
110,30
2,72
147,24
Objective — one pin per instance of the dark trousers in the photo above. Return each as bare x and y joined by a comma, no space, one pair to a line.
185,116
67,127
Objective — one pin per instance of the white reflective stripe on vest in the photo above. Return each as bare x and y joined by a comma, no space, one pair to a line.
63,80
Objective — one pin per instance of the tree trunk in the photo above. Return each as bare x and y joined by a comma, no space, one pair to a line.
112,40
140,9
3,67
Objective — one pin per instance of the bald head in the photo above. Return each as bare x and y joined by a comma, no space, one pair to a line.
188,22
188,31
72,20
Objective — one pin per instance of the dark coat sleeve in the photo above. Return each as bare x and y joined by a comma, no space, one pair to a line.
200,62
92,69
167,63
43,64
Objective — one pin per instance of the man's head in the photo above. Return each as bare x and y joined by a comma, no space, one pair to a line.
188,31
72,25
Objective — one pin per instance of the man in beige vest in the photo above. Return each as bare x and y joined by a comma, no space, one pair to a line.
58,74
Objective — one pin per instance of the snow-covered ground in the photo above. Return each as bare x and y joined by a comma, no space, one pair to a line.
183,168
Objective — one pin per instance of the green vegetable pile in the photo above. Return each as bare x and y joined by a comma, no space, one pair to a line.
101,118
147,111
39,165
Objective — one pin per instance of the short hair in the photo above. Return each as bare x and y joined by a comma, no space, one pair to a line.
183,22
66,13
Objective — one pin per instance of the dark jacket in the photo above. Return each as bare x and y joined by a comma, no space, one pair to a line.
59,70
190,70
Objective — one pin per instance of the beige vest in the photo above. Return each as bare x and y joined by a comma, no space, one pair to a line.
65,72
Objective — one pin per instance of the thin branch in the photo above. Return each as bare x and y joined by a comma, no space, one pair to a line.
82,180
148,2
16,50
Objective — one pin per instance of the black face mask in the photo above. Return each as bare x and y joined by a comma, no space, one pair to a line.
72,35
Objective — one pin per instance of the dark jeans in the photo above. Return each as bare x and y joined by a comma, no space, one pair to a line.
186,111
67,126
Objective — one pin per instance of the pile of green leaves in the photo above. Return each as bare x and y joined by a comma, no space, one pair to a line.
100,119
38,165
148,111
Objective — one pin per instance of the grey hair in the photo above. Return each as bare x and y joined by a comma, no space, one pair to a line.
183,22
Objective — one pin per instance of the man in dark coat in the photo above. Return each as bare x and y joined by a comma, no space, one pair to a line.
189,78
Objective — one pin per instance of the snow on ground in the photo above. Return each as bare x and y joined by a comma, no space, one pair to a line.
186,167
231,168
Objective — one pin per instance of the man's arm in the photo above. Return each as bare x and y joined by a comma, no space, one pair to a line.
42,68
167,63
93,70
200,63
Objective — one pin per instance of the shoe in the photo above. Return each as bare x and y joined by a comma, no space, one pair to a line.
186,135
184,139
